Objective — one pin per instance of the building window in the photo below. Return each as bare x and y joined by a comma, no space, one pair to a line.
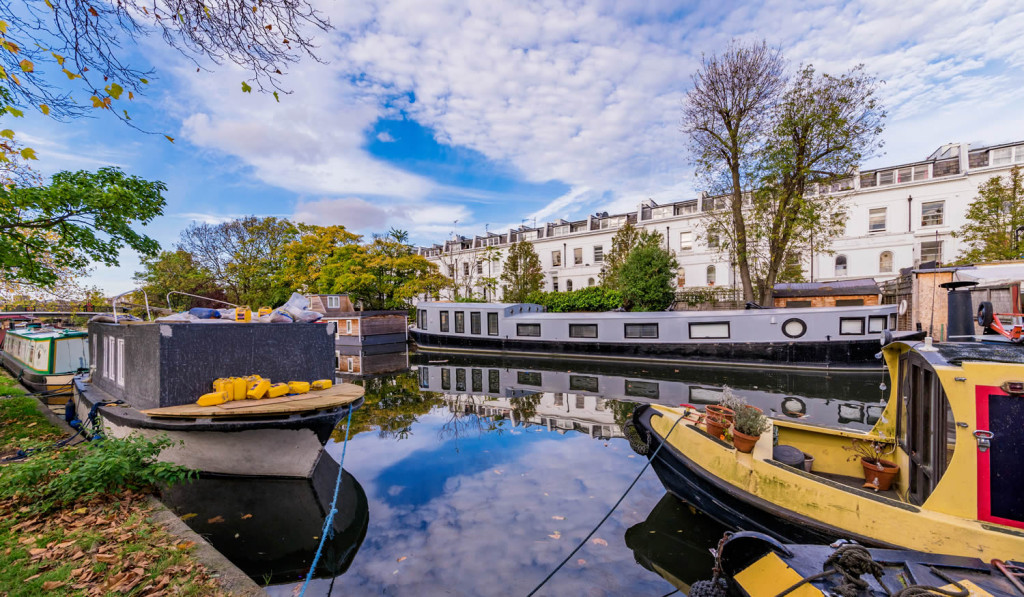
528,329
559,398
479,267
885,177
556,258
868,180
581,330
598,254
577,256
931,213
465,268
444,321
446,379
348,326
921,172
460,322
905,175
492,324
876,219
711,275
840,265
712,240
641,330
1000,157
850,302
568,285
351,364
334,302
885,262
554,284
590,281
686,241
474,322
680,278
451,271
931,251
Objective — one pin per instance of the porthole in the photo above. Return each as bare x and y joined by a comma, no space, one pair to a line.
794,328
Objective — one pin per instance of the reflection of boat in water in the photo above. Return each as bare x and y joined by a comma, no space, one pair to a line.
270,527
847,399
674,542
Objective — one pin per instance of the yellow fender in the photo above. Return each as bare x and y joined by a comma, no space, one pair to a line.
277,390
321,384
212,399
259,389
239,387
298,387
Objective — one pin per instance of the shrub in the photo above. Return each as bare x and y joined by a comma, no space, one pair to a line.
750,421
592,298
646,279
53,478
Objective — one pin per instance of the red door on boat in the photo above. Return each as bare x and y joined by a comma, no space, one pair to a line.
1001,462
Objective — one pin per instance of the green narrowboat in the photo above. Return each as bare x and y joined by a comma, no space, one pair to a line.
45,359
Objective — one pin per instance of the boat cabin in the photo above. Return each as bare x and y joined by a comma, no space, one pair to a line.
47,351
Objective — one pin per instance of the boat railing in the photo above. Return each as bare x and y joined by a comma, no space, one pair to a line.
205,298
149,316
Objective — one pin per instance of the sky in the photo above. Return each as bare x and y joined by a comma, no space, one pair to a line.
442,117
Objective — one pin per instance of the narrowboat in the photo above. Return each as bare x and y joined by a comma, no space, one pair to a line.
834,337
147,377
952,425
45,359
751,564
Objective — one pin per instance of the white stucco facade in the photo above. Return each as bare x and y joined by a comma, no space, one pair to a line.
898,216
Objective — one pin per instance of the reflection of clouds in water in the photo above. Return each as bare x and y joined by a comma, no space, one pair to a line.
489,532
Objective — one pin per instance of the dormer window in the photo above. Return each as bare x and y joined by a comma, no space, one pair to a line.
334,302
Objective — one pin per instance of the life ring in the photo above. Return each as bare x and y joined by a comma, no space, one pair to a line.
985,314
903,307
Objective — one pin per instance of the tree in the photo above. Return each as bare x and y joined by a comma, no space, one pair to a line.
244,256
490,257
626,239
645,279
178,270
386,274
522,273
725,115
994,220
306,257
78,219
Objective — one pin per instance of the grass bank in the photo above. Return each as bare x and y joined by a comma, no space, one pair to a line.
75,520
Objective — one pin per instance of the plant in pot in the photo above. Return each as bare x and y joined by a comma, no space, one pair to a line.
749,424
879,473
719,417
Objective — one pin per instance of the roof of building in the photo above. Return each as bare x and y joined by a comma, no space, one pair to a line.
836,288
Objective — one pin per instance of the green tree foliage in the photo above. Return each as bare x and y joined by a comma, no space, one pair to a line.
522,274
178,270
626,239
993,219
593,298
645,279
80,218
386,274
392,403
244,256
306,257
490,258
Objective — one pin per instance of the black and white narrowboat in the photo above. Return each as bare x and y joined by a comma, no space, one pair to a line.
146,379
836,337
45,359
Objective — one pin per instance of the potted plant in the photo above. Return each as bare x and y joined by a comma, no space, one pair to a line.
878,472
748,426
717,419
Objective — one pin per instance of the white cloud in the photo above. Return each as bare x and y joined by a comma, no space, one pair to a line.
423,220
385,137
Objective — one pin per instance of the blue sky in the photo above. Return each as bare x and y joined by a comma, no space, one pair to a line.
441,117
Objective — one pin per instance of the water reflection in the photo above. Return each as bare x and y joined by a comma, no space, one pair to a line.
270,527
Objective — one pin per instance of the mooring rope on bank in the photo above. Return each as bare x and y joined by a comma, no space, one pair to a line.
608,515
329,520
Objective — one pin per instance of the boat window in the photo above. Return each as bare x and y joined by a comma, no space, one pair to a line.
794,327
528,378
930,433
422,323
641,330
583,330
460,380
460,322
717,329
643,389
583,383
851,326
120,362
478,380
424,377
446,379
493,381
876,323
492,324
528,329
474,322
444,321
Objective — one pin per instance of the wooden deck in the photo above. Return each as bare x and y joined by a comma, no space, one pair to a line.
337,395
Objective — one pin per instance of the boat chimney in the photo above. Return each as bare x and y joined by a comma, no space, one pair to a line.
959,311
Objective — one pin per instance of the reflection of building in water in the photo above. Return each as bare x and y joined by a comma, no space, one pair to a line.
359,364
589,393
492,392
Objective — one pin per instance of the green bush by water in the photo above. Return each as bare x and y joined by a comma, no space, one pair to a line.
592,298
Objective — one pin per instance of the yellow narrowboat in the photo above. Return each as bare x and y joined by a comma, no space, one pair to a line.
954,423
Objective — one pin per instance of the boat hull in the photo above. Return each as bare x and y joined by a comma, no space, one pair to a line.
285,446
56,385
836,354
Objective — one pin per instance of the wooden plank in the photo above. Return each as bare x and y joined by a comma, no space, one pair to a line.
338,395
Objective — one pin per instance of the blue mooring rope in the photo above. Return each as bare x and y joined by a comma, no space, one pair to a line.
329,520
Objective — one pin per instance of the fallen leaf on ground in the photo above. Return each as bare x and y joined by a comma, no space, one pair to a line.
106,558
599,541
581,561
215,519
403,558
556,535
246,516
185,544
52,584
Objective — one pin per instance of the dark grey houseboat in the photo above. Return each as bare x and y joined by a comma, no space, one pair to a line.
837,337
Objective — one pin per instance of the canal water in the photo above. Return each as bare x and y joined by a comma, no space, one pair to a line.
478,475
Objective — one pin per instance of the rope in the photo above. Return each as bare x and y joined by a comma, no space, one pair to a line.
606,516
329,520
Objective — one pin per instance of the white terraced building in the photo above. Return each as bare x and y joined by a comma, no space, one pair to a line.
898,216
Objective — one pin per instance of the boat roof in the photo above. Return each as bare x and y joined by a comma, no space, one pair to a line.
956,353
46,334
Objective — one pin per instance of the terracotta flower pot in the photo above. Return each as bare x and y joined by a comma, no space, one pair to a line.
716,427
878,475
743,442
717,419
